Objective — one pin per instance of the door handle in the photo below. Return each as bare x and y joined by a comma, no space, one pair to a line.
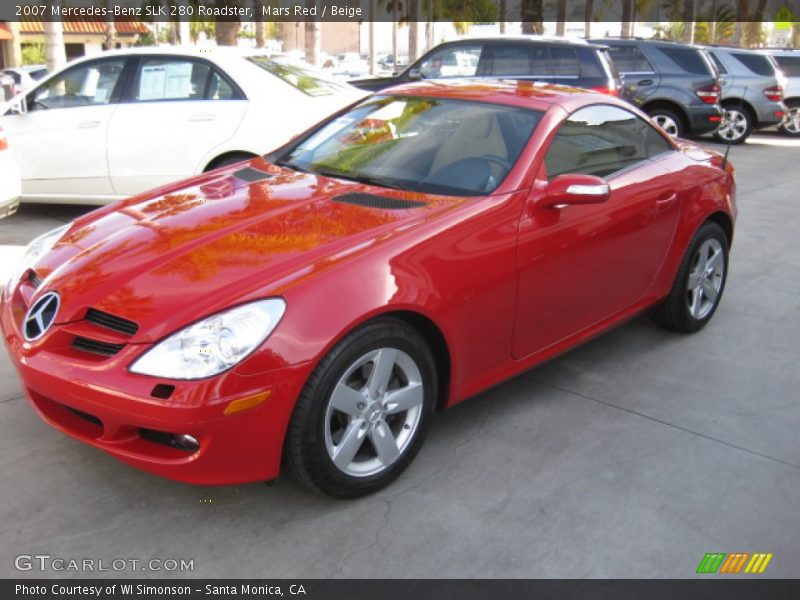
645,82
205,117
666,198
88,124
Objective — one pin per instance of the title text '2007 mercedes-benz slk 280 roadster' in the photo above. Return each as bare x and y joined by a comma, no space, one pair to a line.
315,307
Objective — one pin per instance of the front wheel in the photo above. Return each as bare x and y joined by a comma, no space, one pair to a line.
736,126
364,412
791,122
699,284
670,122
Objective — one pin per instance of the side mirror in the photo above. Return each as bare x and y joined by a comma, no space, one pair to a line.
19,106
415,74
575,189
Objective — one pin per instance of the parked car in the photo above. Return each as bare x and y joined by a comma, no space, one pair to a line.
113,125
752,92
25,78
553,60
676,84
9,179
317,305
789,62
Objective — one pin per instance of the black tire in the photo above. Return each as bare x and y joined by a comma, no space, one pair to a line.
749,120
674,312
793,107
306,453
673,125
228,160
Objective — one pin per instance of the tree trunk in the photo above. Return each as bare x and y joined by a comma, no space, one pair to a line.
561,17
688,19
627,18
227,32
531,13
373,66
110,34
15,60
54,52
587,18
502,16
313,42
259,19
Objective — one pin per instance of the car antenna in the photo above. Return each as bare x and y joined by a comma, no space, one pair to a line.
730,142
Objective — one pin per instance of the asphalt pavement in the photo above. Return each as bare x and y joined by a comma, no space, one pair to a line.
631,456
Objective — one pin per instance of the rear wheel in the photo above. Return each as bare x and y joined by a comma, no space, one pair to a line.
668,120
699,284
230,159
736,126
364,413
791,122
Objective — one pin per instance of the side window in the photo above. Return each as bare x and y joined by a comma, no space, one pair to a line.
790,65
453,61
88,84
629,59
219,88
756,63
515,60
564,62
688,59
718,63
170,79
602,140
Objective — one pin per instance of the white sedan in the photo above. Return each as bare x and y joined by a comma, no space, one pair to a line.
113,125
9,179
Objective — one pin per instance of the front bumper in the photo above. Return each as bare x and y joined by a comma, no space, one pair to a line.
99,402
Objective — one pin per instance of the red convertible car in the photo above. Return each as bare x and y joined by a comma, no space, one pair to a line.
314,307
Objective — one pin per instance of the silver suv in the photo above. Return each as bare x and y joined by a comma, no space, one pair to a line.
752,92
789,62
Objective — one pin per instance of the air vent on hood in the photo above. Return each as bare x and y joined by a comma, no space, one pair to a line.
375,201
251,175
104,319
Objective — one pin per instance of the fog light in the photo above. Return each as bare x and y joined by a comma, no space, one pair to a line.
184,441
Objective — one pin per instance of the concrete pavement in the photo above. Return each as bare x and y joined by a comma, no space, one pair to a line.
631,456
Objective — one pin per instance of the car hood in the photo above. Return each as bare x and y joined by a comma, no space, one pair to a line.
170,256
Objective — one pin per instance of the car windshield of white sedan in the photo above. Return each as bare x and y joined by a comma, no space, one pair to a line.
430,145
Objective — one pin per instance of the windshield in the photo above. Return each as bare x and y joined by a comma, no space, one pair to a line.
299,76
431,145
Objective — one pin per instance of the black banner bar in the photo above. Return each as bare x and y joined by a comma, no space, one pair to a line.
712,588
474,11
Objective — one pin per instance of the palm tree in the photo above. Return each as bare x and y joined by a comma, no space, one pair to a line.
55,55
259,17
228,31
561,17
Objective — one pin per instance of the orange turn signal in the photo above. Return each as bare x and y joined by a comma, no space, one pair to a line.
248,402
3,143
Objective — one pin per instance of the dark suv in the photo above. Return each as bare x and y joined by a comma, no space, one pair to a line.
676,84
574,63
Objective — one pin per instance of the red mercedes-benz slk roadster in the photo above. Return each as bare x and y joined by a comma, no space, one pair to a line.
314,307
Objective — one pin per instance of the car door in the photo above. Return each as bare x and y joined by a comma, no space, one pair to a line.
641,79
177,110
61,140
580,264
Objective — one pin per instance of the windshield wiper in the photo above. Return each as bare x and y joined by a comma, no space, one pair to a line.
368,179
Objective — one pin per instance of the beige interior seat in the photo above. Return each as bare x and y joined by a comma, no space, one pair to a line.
478,135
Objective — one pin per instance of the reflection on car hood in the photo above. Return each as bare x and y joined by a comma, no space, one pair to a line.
216,238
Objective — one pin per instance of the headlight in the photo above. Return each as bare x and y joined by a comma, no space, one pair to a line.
214,344
35,250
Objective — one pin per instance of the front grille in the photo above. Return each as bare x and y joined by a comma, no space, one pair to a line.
104,319
85,416
96,347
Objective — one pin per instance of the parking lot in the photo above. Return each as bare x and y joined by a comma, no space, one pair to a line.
631,456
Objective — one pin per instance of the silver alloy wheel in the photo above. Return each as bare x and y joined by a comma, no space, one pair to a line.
667,124
734,126
705,278
791,122
374,412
